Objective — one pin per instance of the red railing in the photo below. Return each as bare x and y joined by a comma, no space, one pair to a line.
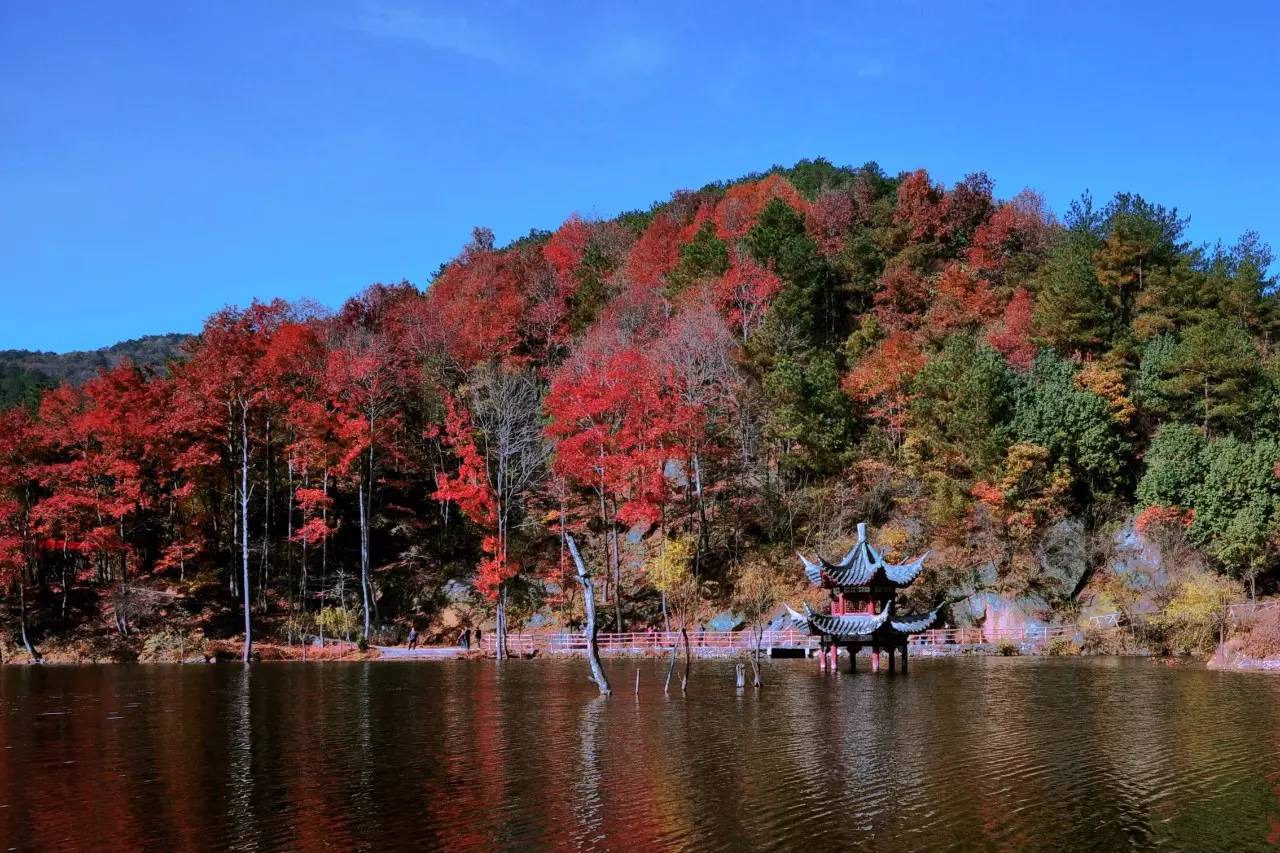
641,642
980,636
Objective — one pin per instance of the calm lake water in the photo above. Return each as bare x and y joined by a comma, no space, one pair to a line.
971,754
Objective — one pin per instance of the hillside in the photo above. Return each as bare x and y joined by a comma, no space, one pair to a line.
694,392
24,372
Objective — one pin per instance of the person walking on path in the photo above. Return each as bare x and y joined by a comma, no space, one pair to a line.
464,639
413,637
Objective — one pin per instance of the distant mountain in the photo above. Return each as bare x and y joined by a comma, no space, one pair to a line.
24,373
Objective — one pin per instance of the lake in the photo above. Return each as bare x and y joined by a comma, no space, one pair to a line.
962,754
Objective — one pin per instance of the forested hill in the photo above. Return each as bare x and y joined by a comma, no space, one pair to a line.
24,372
695,391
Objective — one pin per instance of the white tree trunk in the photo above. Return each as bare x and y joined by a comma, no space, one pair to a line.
244,525
593,651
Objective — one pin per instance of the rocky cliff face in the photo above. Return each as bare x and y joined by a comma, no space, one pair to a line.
1063,585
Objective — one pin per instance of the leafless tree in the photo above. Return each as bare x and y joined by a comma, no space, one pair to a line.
506,413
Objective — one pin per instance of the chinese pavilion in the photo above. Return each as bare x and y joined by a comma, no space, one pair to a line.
863,588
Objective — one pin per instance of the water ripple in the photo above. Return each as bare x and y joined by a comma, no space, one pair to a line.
969,754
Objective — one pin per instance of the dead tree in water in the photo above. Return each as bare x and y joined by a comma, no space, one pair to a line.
589,601
757,591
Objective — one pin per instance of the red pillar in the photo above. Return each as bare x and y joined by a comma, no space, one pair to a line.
875,658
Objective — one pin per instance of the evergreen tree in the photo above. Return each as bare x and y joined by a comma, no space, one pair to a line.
779,240
1174,467
1235,507
1148,384
1140,239
1075,425
1213,374
1074,313
959,417
808,411
704,257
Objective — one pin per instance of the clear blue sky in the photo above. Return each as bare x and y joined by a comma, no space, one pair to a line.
161,160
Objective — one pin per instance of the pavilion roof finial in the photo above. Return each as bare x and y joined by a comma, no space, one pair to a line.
861,566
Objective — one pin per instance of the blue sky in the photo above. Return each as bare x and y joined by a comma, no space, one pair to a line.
161,160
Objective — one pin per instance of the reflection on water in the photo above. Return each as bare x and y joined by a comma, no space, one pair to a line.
994,753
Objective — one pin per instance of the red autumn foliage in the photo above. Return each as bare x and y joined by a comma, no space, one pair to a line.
1021,224
737,211
566,247
1012,334
988,494
883,377
655,253
1153,521
961,299
745,291
830,219
903,298
617,423
923,207
476,306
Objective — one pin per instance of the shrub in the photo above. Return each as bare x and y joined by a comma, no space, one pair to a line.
1189,623
337,622
1258,636
170,644
1062,647
1008,649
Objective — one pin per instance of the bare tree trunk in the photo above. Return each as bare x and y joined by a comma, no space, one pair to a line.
22,619
684,633
364,558
122,610
702,505
593,651
323,593
288,530
244,525
264,571
366,513
500,624
755,656
617,580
